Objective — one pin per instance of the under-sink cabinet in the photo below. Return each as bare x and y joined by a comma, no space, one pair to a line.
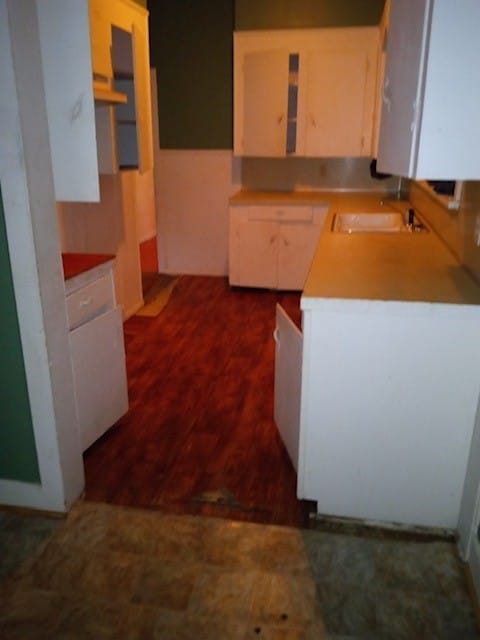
97,352
272,246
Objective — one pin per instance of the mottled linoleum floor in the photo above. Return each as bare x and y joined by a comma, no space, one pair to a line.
114,572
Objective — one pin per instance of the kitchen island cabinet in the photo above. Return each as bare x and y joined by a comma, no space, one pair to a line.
390,375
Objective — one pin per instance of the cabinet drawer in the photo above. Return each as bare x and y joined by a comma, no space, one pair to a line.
90,301
287,213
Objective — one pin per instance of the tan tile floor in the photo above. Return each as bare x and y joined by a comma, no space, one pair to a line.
110,572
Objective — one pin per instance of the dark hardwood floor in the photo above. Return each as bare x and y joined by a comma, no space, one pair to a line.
199,436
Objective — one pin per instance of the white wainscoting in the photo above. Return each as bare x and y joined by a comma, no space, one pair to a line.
192,190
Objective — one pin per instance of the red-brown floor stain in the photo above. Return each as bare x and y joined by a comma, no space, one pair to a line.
200,421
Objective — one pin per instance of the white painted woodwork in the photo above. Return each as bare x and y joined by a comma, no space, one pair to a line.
253,252
129,53
338,103
29,202
273,246
336,91
90,301
97,351
192,189
110,227
101,41
429,125
98,363
288,382
296,245
381,59
141,61
106,139
265,103
389,396
469,519
67,74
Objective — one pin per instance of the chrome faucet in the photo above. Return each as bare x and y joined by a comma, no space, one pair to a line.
411,218
411,224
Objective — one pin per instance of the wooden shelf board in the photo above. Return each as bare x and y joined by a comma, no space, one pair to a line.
104,94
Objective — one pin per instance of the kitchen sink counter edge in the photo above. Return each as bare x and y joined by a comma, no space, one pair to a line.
399,268
367,268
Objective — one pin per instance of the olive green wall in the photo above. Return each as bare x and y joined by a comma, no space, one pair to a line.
285,14
18,456
191,48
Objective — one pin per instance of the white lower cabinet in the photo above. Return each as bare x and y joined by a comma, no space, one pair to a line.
272,246
376,405
288,382
98,356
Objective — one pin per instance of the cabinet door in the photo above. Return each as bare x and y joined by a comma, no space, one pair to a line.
142,95
253,251
288,382
67,71
265,103
339,103
297,242
101,42
98,364
402,87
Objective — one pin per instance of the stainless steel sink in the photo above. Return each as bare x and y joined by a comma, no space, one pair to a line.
384,222
375,222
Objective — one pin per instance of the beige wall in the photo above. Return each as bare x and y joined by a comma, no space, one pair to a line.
459,229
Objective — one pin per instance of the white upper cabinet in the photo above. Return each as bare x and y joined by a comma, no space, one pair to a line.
339,103
430,125
305,92
79,63
67,75
265,103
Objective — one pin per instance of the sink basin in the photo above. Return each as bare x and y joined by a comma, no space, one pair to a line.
384,222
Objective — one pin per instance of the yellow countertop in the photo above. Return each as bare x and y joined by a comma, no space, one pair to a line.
402,267
395,267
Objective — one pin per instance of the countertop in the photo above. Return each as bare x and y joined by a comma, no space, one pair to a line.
374,267
80,268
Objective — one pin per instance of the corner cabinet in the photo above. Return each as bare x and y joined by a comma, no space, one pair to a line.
309,93
272,246
431,95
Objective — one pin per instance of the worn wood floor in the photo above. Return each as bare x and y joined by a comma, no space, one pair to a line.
199,436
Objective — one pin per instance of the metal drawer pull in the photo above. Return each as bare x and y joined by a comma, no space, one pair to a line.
85,302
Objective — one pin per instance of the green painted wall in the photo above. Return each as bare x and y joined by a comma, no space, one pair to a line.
18,456
285,14
191,48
